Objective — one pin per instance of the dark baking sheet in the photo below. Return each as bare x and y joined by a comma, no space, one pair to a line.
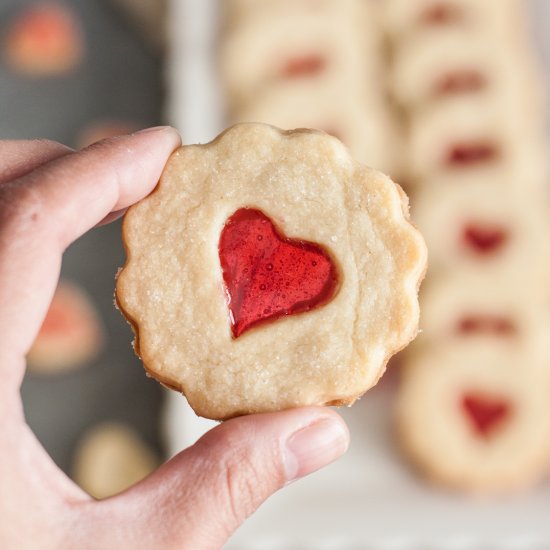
120,79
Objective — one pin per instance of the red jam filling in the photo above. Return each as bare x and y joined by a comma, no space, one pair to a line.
307,65
46,30
488,324
485,413
268,275
460,82
441,14
484,239
471,153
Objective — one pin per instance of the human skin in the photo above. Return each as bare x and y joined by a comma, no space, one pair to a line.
49,196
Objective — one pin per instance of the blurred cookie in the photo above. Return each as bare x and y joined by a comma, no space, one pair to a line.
498,18
498,234
474,137
467,305
71,334
288,48
475,417
451,62
366,128
111,457
269,270
236,12
44,39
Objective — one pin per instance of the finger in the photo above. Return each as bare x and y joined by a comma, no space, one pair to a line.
44,211
70,195
19,157
201,496
113,216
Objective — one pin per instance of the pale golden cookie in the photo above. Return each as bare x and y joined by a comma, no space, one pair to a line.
440,65
499,235
71,335
501,19
234,11
476,417
468,305
366,128
472,136
285,47
322,218
110,458
44,40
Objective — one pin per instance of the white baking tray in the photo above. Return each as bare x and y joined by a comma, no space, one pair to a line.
370,499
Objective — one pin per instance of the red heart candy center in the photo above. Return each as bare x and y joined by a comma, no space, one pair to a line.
484,239
489,324
307,65
485,413
267,275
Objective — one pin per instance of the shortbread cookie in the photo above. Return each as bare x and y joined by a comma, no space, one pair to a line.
438,65
269,270
475,417
367,128
485,230
235,11
110,458
498,18
472,135
71,334
44,40
287,48
468,306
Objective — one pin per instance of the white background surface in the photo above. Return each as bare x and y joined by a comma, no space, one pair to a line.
369,500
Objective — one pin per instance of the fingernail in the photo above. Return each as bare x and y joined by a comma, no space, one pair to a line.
313,447
154,129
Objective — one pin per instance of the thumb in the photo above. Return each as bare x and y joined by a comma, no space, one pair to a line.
197,499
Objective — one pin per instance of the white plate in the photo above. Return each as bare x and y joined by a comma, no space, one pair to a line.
370,499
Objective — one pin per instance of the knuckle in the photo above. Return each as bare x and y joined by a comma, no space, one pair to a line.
249,472
19,206
242,487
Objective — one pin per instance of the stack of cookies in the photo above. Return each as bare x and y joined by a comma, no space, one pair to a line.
472,407
312,64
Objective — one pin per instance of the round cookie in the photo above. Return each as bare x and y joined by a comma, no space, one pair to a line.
475,417
366,127
498,18
473,136
44,40
290,47
111,457
440,65
309,313
481,228
71,334
235,11
468,306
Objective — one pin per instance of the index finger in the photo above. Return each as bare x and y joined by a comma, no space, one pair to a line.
45,210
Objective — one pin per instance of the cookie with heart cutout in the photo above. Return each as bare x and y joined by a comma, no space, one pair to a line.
475,417
468,305
366,126
270,270
482,229
501,19
438,66
468,136
318,46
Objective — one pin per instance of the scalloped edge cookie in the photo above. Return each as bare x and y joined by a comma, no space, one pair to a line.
171,287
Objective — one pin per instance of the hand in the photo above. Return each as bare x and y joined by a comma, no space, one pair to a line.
49,196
